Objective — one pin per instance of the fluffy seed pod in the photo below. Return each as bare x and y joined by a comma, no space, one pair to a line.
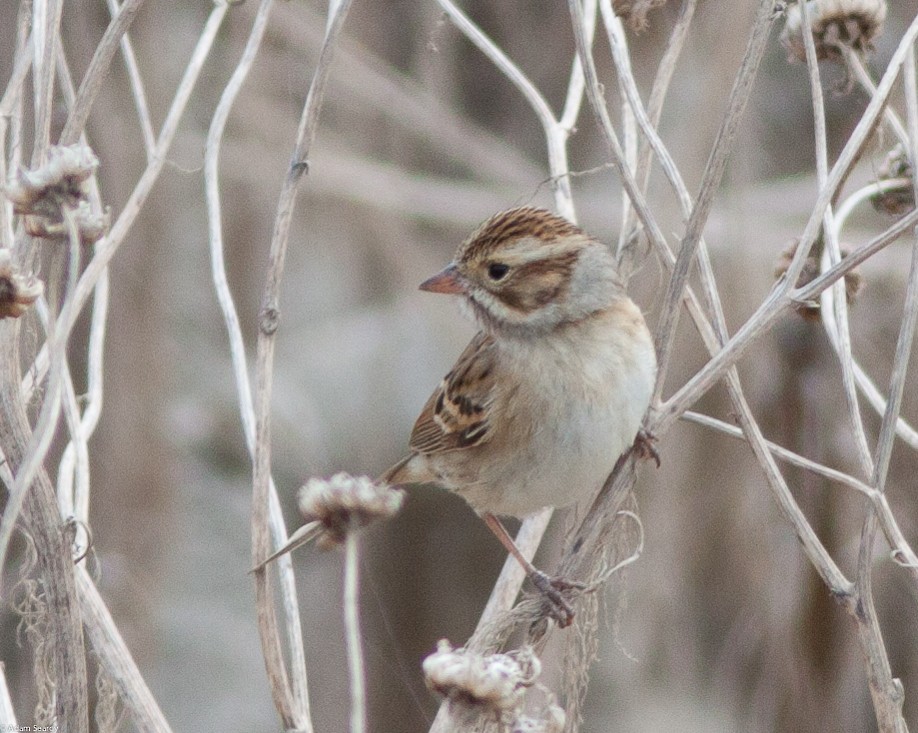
492,685
89,224
345,502
635,11
42,195
835,24
811,310
17,292
898,194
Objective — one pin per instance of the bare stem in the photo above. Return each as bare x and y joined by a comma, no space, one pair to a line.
137,87
355,663
768,312
45,46
604,121
300,689
713,173
835,304
288,703
98,69
555,132
114,655
7,714
885,690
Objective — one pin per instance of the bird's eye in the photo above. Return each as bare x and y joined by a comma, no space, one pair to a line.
498,270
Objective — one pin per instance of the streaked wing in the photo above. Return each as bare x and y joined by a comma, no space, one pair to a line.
456,415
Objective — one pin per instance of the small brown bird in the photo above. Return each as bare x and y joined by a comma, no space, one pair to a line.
549,393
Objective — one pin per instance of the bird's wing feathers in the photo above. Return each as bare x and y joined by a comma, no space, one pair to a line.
456,415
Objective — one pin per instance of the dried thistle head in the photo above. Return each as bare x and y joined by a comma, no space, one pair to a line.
495,686
491,685
90,225
897,196
43,195
17,292
344,502
811,310
635,11
835,24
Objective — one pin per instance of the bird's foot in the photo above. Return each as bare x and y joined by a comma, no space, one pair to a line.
644,446
556,593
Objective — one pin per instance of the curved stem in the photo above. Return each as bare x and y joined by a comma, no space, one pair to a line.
287,702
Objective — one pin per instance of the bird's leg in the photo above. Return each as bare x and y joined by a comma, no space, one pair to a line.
644,446
552,589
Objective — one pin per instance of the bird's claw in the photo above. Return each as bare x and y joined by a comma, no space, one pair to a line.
555,592
644,446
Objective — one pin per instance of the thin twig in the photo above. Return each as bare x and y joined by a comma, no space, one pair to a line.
25,43
887,692
815,550
286,701
604,121
45,45
116,658
864,383
849,155
661,83
555,133
834,300
73,471
765,316
710,181
783,453
855,63
98,69
625,77
300,689
910,314
902,552
137,87
106,247
7,714
576,86
13,92
352,636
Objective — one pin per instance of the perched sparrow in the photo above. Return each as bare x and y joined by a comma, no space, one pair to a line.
553,388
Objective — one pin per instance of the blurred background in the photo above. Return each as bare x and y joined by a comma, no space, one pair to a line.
726,627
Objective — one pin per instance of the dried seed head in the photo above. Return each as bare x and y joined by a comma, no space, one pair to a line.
346,502
90,225
42,195
897,196
811,310
835,23
635,11
61,177
17,293
492,684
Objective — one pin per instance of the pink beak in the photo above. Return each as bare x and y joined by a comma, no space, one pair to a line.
446,281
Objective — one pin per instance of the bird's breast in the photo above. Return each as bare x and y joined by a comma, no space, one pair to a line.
571,410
